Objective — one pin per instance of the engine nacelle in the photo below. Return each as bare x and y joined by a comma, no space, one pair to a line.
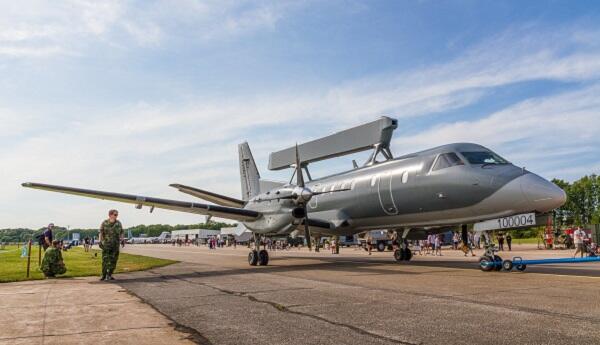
298,212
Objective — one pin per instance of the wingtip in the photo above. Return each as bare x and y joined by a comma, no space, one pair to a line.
26,184
175,185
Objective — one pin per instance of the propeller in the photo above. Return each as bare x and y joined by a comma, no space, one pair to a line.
300,195
304,196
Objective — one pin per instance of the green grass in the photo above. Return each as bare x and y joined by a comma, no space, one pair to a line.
78,262
533,240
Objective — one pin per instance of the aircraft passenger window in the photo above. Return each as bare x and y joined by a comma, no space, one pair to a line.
447,160
484,157
405,177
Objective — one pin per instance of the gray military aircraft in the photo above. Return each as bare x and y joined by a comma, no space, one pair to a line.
415,194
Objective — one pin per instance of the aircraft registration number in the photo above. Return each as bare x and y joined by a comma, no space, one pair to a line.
516,221
519,220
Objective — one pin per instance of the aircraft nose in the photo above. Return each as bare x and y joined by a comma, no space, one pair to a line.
541,194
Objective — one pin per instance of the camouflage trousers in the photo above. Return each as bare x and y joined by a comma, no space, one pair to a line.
110,256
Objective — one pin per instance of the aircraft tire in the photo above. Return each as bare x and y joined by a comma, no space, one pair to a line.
253,258
407,254
380,246
263,258
497,263
507,265
399,255
486,263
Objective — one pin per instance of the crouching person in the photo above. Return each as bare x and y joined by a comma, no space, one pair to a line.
53,263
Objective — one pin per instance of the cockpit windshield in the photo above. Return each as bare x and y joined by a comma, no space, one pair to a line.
484,157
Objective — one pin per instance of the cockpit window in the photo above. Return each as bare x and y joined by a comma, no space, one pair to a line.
447,160
484,157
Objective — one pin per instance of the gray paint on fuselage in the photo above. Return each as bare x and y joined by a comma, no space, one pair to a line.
381,198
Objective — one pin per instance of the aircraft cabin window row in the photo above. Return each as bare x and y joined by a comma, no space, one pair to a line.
447,160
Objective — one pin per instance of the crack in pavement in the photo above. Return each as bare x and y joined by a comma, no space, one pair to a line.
285,309
458,298
193,334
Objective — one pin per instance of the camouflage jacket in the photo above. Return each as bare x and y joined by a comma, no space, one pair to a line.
53,262
111,232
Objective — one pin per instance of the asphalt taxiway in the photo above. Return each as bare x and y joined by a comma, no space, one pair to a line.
353,298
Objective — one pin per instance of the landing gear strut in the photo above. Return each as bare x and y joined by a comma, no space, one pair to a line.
490,261
403,253
258,256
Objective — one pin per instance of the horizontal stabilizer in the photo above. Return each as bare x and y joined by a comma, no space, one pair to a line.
234,213
209,196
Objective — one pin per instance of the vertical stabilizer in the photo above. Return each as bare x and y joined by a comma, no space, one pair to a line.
249,175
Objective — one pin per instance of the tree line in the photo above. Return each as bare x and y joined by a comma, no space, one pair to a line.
583,201
62,233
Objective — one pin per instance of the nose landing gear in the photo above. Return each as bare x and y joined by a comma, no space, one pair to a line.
490,261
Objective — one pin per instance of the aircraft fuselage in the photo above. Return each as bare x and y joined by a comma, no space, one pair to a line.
416,191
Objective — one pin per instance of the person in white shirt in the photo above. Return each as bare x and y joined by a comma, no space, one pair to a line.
578,237
438,245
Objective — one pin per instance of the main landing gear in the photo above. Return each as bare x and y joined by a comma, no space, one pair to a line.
403,253
258,256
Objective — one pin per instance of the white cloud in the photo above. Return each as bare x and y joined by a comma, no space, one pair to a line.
560,125
141,147
36,28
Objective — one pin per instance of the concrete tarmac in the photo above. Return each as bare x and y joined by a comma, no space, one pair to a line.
353,298
81,311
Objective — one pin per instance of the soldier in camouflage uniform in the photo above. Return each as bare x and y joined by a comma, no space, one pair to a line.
53,263
111,234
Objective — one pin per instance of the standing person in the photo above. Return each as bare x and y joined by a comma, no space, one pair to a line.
86,244
477,240
48,236
509,241
369,244
53,263
500,239
110,235
455,241
438,244
578,237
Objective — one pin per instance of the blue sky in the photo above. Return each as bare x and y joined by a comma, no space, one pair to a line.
133,95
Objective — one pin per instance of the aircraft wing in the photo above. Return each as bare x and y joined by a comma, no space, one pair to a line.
233,213
209,196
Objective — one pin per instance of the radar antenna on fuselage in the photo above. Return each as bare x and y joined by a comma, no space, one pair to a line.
375,135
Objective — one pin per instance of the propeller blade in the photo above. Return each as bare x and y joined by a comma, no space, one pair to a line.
306,229
299,176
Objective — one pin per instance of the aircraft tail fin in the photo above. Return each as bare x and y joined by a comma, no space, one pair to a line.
249,176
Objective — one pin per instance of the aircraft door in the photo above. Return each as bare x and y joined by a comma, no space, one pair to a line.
386,198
